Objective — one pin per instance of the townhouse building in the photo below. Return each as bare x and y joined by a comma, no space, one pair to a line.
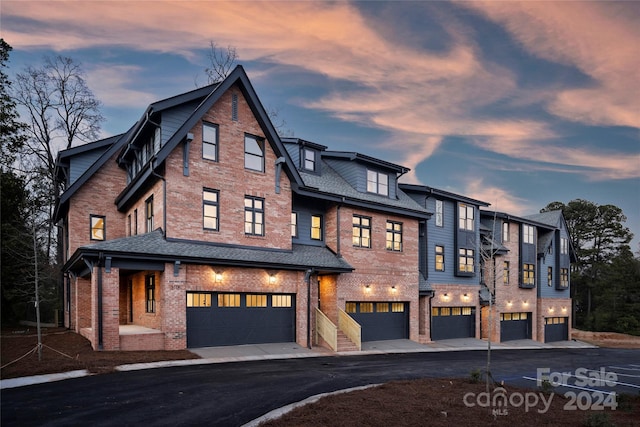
200,226
525,284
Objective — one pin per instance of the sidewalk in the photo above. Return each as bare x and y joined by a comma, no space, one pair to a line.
251,352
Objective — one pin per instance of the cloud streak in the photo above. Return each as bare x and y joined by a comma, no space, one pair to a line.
420,97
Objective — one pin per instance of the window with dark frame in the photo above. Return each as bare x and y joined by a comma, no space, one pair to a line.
505,273
129,225
564,245
135,221
294,224
361,231
149,213
549,276
316,227
394,236
564,277
210,209
253,153
210,141
98,227
150,293
528,274
253,216
466,260
439,258
309,161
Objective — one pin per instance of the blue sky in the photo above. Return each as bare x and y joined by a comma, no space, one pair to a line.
516,104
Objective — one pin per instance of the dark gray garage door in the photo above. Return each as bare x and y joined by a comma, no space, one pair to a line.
453,322
218,319
381,320
515,326
556,329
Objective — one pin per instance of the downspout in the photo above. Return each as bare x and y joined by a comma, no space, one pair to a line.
100,334
338,229
431,295
164,197
279,162
307,278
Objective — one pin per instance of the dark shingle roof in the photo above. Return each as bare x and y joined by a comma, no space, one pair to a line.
154,246
330,182
550,218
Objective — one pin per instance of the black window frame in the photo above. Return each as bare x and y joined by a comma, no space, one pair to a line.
148,208
377,184
215,144
320,228
391,231
440,255
93,217
212,203
251,155
150,293
255,213
359,226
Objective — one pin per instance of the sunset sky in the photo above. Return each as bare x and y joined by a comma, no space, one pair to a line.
515,104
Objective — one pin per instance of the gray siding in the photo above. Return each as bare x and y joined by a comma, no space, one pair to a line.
304,225
175,117
356,175
81,162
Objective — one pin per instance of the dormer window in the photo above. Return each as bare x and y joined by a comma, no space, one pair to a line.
309,159
378,183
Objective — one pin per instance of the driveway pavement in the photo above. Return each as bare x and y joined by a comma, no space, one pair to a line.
272,351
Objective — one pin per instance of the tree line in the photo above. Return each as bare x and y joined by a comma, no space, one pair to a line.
51,108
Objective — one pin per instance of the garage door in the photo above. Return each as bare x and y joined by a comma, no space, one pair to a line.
381,320
453,322
219,319
556,329
515,326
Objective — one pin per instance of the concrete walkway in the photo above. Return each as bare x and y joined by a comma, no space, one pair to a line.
250,352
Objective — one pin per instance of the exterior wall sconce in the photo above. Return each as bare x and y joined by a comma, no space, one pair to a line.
550,309
393,289
465,297
367,288
525,303
217,276
272,279
564,309
445,296
509,303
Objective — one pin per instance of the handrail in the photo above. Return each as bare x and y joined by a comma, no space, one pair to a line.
350,327
327,330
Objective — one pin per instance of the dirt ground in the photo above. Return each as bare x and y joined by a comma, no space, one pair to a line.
434,402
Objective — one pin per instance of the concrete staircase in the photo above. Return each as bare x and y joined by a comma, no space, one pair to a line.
344,343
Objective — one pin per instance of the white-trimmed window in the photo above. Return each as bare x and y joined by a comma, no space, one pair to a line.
466,217
564,245
439,213
505,231
527,234
309,160
378,183
294,224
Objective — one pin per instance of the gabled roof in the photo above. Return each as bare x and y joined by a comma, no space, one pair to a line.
237,76
154,246
416,188
117,142
330,185
551,218
514,218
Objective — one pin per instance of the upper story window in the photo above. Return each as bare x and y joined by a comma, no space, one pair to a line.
466,217
564,245
97,227
129,229
505,231
439,213
549,276
564,277
394,236
316,227
439,258
253,153
294,224
210,141
135,221
466,260
505,273
527,234
149,213
253,216
309,159
528,275
378,183
210,209
361,231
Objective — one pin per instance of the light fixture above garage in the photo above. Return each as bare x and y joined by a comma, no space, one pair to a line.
272,279
367,288
217,275
393,289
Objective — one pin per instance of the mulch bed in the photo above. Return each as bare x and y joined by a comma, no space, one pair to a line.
64,350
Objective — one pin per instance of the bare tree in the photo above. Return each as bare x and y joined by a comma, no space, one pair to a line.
221,62
60,110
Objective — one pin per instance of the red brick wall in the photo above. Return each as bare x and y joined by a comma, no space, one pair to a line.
551,307
457,295
229,176
97,197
